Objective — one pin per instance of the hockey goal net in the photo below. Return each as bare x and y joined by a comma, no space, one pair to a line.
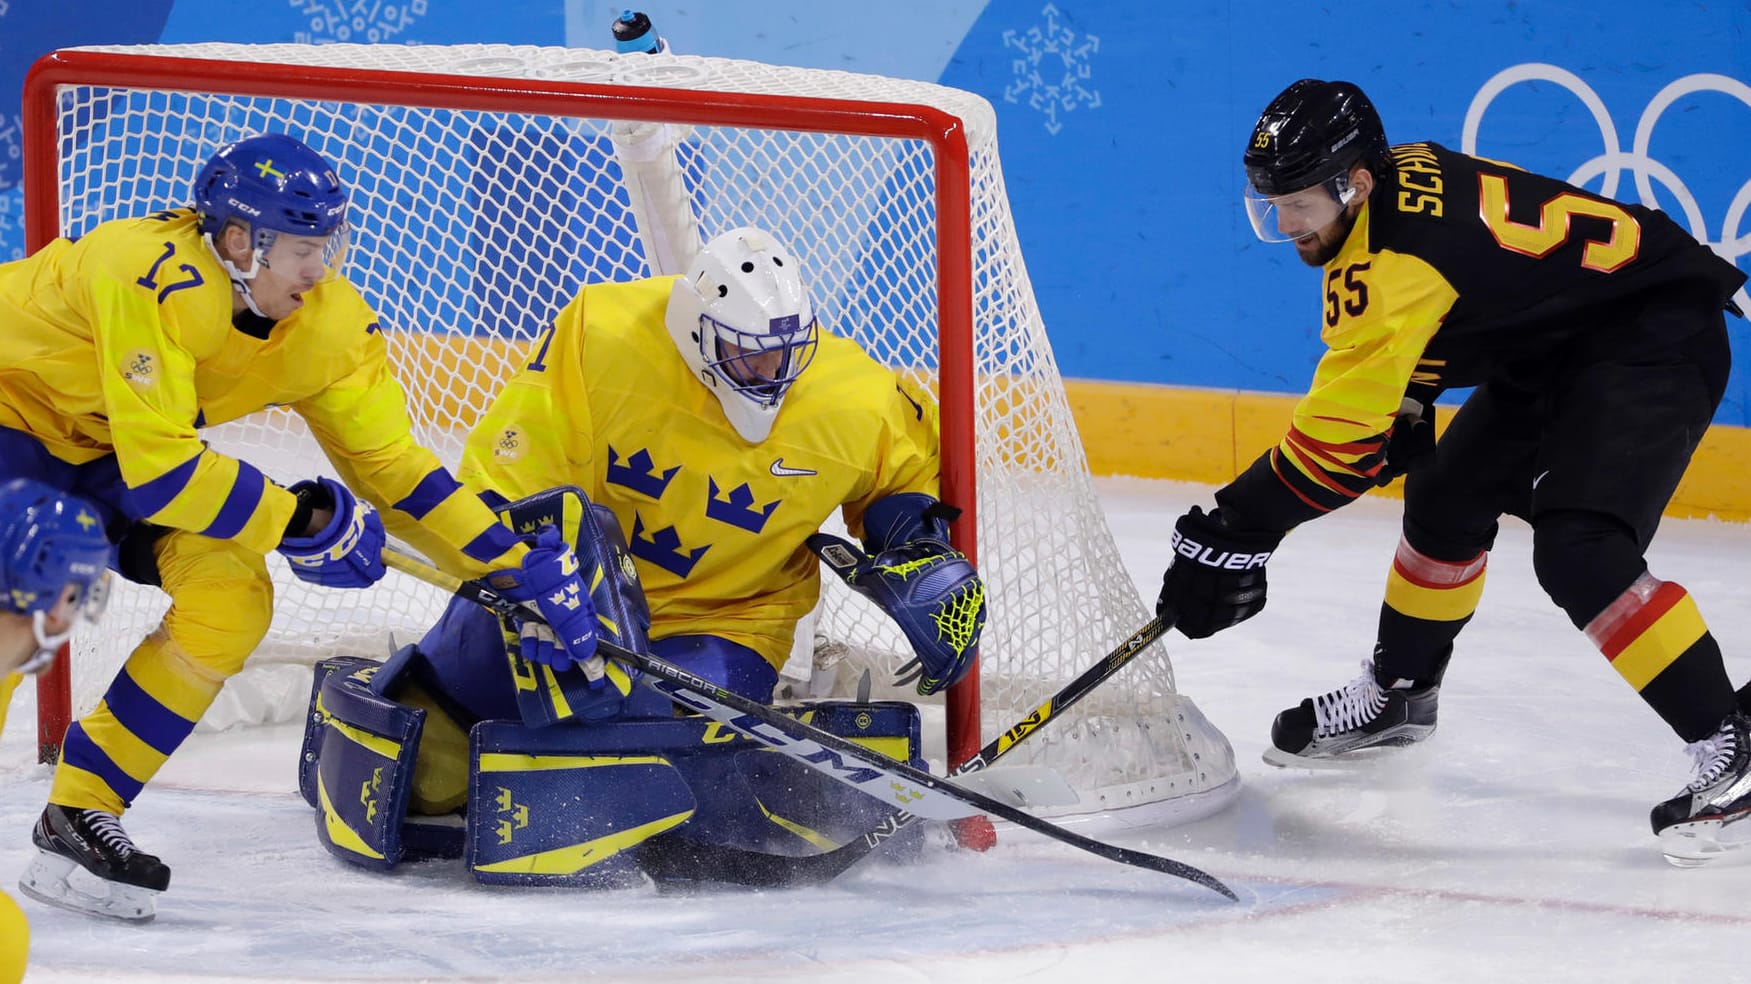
489,182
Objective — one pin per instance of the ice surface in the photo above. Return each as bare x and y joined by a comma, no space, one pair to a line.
1514,845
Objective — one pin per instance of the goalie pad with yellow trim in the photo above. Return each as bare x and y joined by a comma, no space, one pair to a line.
547,811
587,799
567,804
358,763
432,792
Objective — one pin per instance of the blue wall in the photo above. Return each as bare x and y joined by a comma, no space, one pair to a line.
1121,124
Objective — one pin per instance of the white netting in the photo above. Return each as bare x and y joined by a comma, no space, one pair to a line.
473,227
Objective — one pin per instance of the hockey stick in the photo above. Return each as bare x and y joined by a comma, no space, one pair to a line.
821,750
771,870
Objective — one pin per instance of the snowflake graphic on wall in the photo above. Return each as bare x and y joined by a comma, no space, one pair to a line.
359,21
1052,68
11,148
11,224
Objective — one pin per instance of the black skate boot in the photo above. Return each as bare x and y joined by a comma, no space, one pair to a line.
123,879
1336,728
1709,818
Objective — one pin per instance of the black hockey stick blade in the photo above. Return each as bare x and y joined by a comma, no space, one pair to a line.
672,860
821,750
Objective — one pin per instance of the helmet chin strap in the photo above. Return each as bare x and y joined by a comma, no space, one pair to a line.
47,645
239,278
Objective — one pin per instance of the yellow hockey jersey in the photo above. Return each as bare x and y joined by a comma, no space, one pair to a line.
716,525
123,342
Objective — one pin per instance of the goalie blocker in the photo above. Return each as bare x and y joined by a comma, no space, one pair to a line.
558,789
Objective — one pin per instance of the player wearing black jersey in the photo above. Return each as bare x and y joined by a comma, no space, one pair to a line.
1594,334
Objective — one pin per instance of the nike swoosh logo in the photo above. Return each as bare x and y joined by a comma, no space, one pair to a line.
1540,477
781,471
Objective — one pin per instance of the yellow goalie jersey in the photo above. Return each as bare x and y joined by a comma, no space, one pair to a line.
124,342
716,524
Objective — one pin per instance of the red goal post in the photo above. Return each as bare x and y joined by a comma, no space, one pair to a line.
1010,453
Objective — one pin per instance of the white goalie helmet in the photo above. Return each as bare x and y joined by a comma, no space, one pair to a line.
743,322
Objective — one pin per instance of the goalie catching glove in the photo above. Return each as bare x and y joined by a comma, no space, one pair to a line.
927,587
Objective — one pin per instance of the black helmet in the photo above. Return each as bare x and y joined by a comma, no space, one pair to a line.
1312,132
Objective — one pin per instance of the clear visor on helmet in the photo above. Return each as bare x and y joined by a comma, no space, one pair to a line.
299,257
55,626
761,366
1283,218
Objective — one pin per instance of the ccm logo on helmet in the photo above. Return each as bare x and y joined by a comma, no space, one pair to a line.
1226,560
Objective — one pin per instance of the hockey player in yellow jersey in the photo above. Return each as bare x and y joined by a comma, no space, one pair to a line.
122,346
52,559
713,424
722,426
1594,333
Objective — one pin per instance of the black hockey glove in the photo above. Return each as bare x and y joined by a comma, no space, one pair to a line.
1217,578
1409,445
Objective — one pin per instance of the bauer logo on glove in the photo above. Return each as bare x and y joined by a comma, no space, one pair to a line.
1228,560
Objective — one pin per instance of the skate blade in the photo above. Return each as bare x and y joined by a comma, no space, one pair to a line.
1289,760
1701,842
1329,761
50,880
1339,758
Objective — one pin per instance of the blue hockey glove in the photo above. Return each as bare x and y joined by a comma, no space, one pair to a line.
549,577
930,590
346,553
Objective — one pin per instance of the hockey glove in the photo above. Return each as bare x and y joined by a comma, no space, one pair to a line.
930,590
346,553
549,578
1409,445
1217,578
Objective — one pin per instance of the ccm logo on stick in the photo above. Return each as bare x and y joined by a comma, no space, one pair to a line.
1227,560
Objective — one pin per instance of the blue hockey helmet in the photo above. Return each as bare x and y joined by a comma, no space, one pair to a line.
272,184
50,541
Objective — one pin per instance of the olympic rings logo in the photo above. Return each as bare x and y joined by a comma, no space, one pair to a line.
1637,162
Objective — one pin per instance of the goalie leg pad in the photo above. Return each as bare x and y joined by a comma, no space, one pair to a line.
730,665
759,800
464,662
314,728
566,805
363,766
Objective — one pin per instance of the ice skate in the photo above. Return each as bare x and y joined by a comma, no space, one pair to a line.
86,863
1340,727
1709,818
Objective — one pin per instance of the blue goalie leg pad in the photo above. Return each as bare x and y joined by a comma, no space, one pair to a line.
730,665
364,766
313,722
759,800
545,810
381,678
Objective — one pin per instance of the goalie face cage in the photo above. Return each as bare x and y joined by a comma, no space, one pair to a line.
488,184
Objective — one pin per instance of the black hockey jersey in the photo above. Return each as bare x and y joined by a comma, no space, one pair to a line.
1461,269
